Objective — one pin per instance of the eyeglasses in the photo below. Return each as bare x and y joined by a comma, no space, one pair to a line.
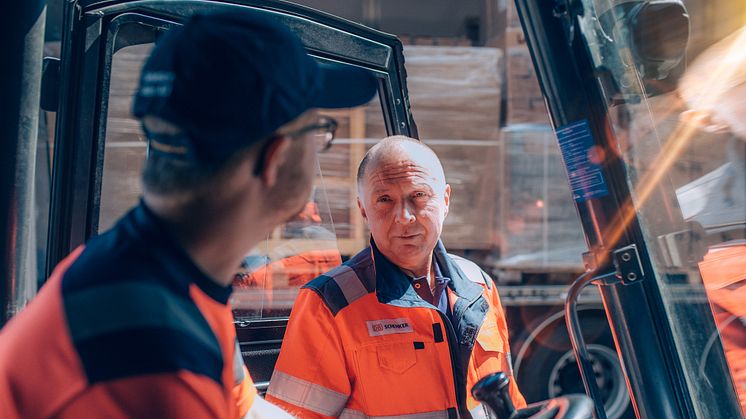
323,131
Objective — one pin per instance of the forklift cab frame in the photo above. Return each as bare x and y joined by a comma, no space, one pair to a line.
584,95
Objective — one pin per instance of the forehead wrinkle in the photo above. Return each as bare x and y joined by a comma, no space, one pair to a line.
390,174
398,170
393,158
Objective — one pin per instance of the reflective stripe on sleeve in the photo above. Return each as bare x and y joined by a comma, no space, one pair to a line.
356,414
479,412
306,394
349,283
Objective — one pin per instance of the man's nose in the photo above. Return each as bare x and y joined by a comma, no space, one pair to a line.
405,215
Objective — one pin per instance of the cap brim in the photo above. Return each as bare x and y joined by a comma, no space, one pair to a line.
345,86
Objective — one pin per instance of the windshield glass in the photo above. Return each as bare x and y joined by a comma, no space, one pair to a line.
674,75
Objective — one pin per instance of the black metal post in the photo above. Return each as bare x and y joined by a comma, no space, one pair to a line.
22,43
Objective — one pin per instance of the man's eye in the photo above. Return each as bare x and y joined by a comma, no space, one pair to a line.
420,195
383,199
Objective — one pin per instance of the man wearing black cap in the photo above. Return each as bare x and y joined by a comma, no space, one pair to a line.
136,323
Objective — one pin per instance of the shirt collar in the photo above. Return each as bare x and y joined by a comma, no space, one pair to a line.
394,287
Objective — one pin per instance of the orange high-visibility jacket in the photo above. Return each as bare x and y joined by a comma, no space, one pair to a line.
127,326
361,343
723,273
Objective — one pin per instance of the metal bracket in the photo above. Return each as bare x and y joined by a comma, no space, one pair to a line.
627,263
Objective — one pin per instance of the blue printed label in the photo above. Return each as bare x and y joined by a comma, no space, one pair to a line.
582,160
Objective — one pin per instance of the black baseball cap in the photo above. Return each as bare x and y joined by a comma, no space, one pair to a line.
228,80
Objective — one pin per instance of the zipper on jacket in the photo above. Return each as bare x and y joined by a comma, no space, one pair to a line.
452,345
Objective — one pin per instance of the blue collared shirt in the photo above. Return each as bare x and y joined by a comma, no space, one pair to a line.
438,296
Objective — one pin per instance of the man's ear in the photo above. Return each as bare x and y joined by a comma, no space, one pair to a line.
275,155
447,197
362,210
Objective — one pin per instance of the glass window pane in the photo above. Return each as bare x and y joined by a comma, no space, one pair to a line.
511,209
125,146
328,230
479,106
312,243
682,138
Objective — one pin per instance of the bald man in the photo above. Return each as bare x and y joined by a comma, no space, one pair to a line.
402,328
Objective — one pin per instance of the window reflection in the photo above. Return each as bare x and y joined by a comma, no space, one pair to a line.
686,157
269,279
310,244
714,90
125,147
317,238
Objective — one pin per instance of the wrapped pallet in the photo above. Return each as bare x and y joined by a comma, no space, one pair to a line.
455,91
539,226
473,171
455,95
525,103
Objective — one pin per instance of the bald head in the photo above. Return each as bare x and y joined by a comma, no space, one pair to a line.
404,198
399,149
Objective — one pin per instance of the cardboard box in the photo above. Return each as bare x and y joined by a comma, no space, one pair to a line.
455,92
539,226
434,40
473,170
512,19
455,95
525,102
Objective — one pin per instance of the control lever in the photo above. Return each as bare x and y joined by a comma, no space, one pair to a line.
493,391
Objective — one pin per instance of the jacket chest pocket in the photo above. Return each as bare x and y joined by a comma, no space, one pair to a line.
396,358
410,375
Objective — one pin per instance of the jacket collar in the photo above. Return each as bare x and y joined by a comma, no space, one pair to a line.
394,287
143,223
461,285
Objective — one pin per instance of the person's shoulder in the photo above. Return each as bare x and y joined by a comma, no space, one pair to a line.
126,320
471,270
140,327
112,256
346,283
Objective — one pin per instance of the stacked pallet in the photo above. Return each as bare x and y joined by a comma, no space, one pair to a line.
525,102
539,226
455,91
455,97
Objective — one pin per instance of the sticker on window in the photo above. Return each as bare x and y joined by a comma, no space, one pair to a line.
583,161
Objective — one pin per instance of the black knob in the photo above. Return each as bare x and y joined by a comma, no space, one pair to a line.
494,391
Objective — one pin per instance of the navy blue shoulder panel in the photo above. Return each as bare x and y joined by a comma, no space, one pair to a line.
346,283
144,351
139,245
140,327
129,315
329,291
362,264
